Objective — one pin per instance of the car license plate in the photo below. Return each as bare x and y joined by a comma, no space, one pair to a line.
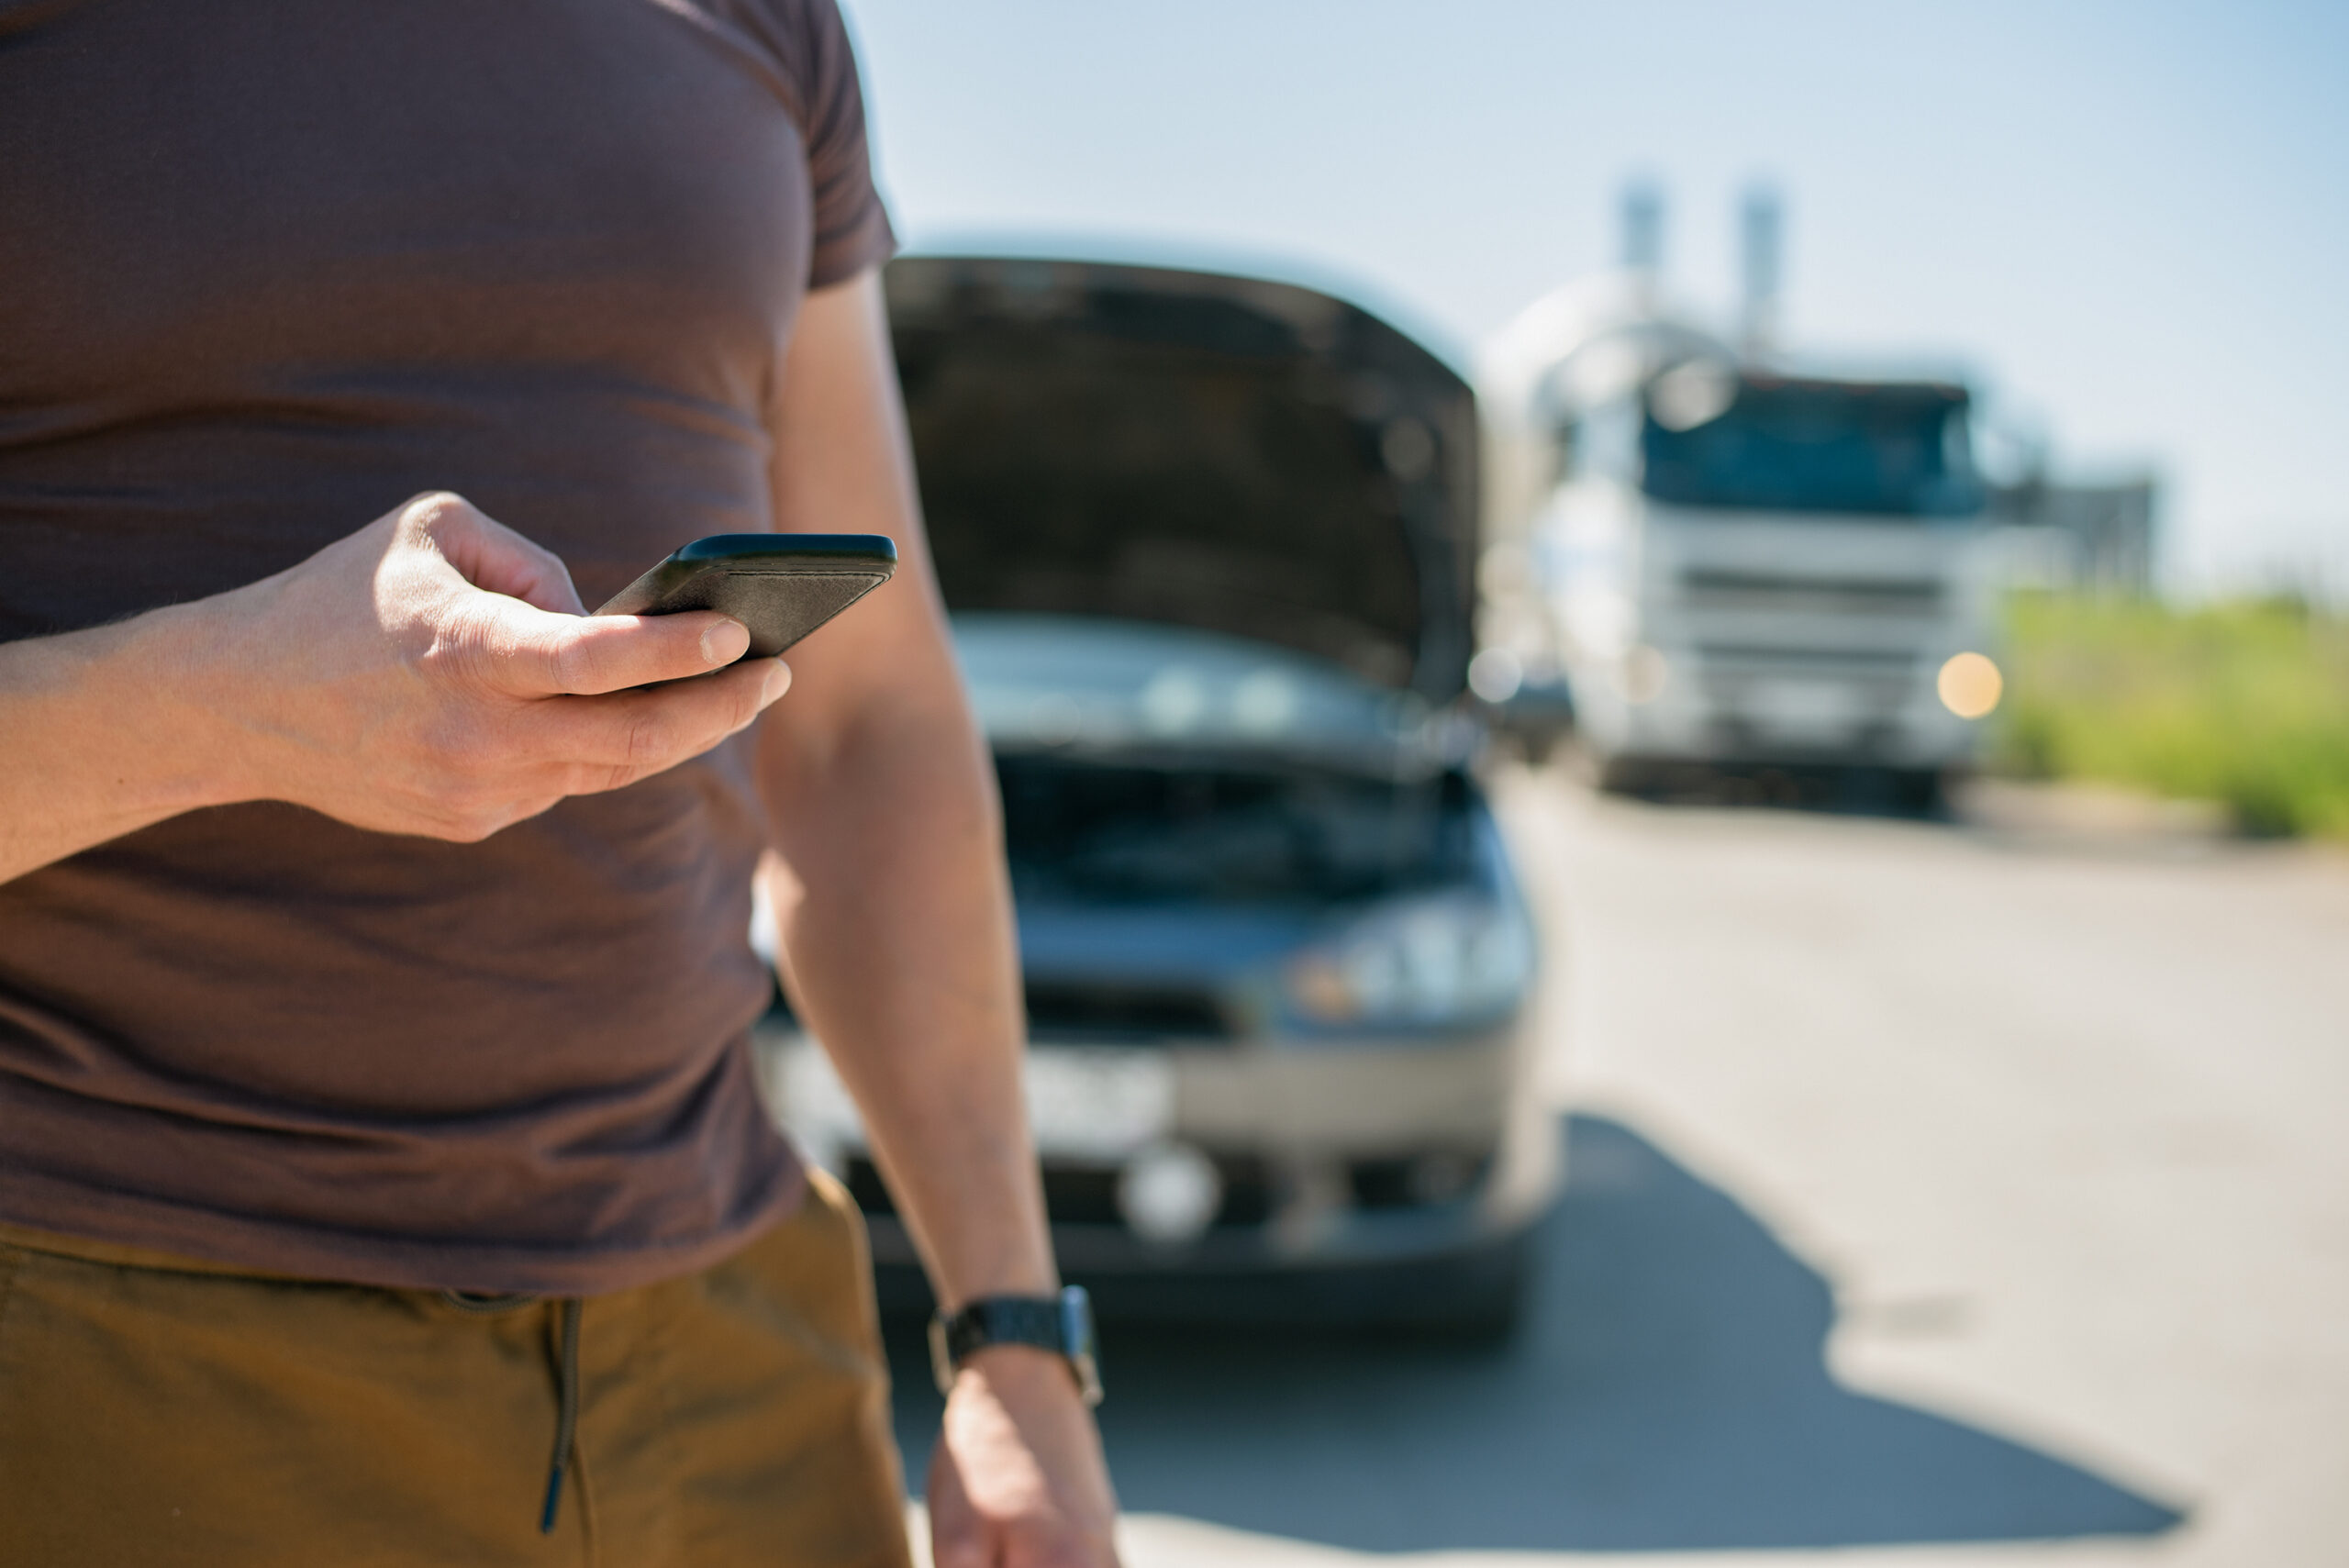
1098,1104
1084,1103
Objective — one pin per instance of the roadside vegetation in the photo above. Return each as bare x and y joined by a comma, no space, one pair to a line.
2245,703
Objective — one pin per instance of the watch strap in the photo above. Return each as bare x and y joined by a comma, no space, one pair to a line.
1062,1324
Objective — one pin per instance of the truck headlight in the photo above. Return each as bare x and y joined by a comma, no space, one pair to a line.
1969,684
1417,961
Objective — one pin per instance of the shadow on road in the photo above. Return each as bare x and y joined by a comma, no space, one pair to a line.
1667,1391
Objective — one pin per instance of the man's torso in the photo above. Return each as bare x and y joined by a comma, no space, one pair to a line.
266,272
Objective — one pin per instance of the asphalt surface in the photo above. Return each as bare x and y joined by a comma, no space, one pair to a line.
1937,1193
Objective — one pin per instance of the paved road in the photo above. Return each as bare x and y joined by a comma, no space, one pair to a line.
1935,1194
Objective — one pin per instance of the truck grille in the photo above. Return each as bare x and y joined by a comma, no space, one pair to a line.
1766,658
1717,588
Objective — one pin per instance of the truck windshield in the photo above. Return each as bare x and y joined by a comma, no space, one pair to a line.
1888,449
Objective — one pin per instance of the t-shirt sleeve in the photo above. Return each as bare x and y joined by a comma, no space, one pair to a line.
852,226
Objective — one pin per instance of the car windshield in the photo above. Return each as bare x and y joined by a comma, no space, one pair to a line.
1104,831
1889,450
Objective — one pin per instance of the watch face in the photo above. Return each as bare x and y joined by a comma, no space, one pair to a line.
1076,1321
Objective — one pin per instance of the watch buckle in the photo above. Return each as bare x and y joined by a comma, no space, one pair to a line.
942,1361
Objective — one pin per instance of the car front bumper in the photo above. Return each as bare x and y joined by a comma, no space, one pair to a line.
1338,1159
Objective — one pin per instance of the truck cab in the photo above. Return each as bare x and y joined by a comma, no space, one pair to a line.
1742,566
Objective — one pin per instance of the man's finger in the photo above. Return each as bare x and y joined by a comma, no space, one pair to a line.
532,653
630,734
957,1538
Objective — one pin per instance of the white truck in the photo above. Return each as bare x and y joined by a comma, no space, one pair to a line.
1732,564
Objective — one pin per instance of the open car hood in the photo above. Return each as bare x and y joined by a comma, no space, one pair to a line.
1237,455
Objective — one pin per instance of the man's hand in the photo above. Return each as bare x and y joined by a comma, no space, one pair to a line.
432,674
1017,1480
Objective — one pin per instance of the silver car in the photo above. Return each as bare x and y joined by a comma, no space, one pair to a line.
1209,544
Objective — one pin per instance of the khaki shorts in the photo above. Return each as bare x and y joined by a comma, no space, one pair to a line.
168,1414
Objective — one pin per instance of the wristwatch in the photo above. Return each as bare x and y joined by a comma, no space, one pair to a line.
1062,1324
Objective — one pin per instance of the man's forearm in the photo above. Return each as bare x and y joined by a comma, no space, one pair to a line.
898,936
99,736
883,802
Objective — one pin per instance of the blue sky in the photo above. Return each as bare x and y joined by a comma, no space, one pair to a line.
2132,221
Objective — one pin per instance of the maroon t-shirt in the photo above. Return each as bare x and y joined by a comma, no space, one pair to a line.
266,271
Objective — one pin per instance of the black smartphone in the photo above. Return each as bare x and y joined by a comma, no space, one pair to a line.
782,586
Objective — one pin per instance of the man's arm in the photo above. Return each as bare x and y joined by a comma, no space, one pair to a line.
896,931
429,674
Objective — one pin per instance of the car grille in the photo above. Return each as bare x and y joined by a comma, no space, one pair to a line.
1097,1012
1062,1012
1415,1182
1087,1195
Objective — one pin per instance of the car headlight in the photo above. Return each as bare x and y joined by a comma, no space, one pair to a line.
1422,960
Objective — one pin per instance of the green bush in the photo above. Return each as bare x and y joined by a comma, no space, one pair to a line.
2245,703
